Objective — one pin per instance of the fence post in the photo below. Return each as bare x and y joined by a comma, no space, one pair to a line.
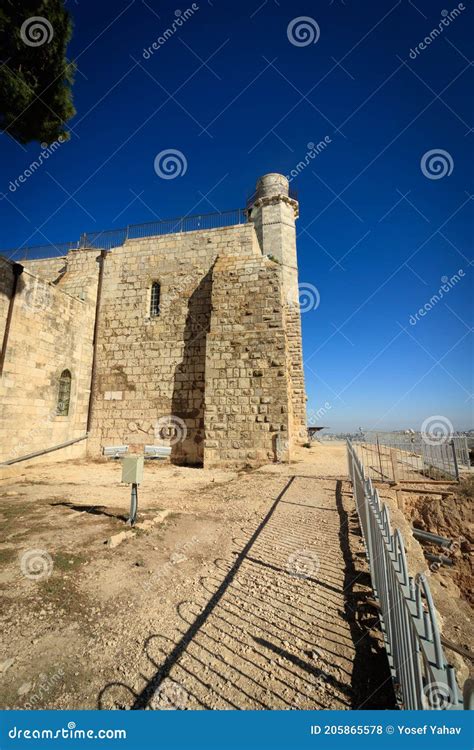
380,459
455,459
393,458
400,501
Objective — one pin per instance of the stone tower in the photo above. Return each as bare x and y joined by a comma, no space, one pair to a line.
274,212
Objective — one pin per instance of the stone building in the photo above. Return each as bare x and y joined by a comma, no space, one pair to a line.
190,339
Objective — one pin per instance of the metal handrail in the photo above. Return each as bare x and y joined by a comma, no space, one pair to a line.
422,677
109,238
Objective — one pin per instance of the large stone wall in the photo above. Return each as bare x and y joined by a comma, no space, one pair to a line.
221,364
152,368
50,331
6,286
247,391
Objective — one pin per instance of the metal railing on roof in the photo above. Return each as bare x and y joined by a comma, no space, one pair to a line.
110,238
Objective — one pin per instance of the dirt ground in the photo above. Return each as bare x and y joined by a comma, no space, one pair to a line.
244,590
249,594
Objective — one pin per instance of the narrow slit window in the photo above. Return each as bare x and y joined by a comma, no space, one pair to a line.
64,394
155,300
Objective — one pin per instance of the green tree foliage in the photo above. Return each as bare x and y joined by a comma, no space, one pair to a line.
35,75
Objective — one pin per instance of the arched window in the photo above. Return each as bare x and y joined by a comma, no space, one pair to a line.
155,300
64,394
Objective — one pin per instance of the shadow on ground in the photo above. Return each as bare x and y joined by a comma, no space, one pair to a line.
277,627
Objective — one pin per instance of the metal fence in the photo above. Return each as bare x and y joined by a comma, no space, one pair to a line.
392,457
107,239
422,677
419,441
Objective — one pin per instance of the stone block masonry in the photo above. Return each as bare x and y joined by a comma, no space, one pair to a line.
218,353
247,381
50,332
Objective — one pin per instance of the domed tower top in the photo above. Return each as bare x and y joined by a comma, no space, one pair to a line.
273,188
272,184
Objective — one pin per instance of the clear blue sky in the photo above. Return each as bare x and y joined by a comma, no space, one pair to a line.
238,99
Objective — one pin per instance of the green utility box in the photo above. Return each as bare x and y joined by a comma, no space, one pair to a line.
132,469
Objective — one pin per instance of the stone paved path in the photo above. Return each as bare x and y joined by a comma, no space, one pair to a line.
270,628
